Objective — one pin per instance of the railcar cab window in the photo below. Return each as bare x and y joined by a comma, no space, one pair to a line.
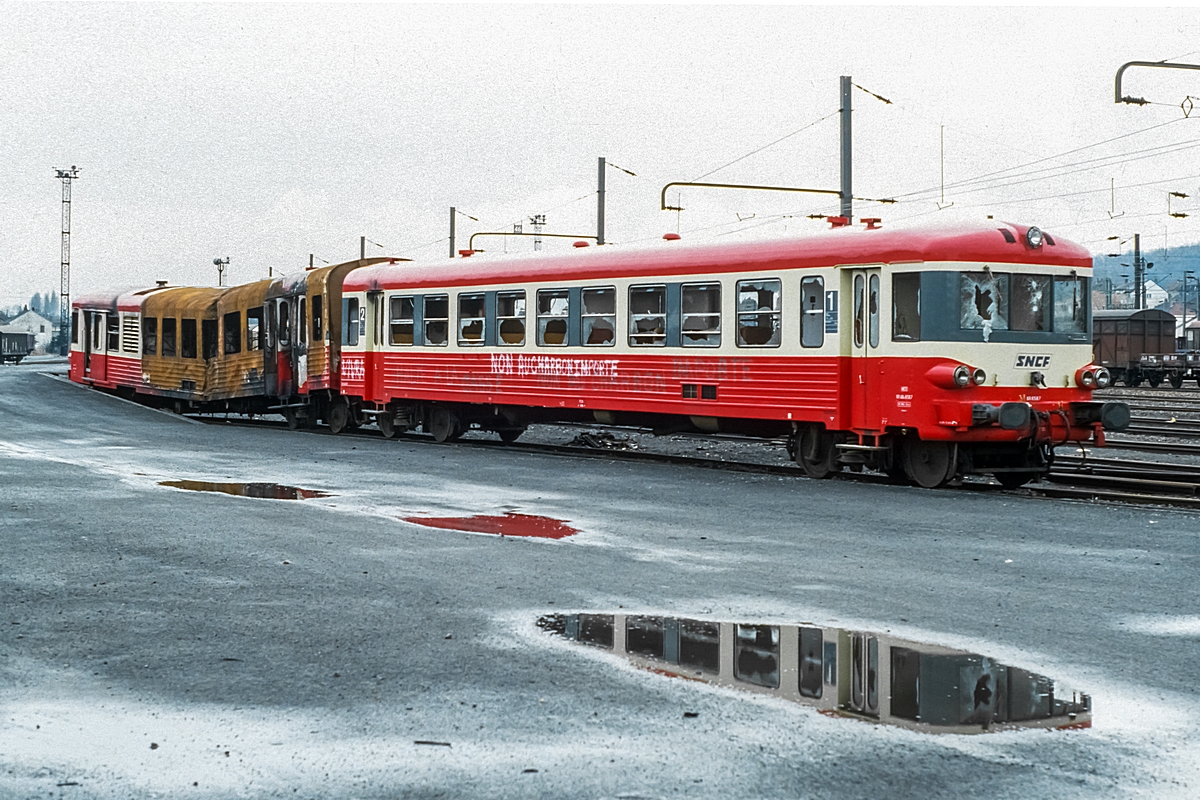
471,316
74,327
983,301
150,336
759,312
187,338
812,312
600,316
553,309
510,318
647,316
350,323
437,319
700,317
254,327
401,324
1070,296
1030,303
113,326
233,333
168,337
906,307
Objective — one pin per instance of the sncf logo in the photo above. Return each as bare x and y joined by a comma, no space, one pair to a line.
1033,362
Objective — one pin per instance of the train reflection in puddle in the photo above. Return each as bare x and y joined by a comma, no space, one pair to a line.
511,524
269,491
870,676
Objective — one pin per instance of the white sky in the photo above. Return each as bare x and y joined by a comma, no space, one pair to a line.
265,132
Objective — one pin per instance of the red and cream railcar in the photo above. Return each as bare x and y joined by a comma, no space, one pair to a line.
930,354
106,350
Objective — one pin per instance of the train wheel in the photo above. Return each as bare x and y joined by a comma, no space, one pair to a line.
928,464
444,425
386,424
293,418
1154,381
338,415
814,453
1176,380
1134,382
1014,480
510,435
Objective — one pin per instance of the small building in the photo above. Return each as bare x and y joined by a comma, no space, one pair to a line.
1155,294
43,330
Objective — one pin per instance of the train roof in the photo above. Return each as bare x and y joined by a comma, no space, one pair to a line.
985,244
1132,313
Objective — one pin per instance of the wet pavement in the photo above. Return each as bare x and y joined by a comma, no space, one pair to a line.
156,641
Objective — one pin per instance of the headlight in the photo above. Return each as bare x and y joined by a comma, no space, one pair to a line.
978,377
1087,379
962,376
1033,237
1103,378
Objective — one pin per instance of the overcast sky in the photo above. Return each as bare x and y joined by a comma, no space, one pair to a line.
264,133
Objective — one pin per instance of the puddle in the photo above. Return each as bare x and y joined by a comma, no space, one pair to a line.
269,491
862,675
508,525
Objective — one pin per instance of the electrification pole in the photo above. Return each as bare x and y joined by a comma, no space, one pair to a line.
847,204
1139,275
452,212
600,205
64,292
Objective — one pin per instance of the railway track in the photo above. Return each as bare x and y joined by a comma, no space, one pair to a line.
1086,478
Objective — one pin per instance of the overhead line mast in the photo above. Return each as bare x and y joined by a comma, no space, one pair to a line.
64,293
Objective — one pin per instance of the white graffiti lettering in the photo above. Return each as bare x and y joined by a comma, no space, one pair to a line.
353,369
512,364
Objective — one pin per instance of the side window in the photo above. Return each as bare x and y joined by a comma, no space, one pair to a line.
471,318
700,645
647,316
187,338
254,328
873,309
983,301
553,307
906,307
317,323
812,312
1070,304
700,304
1029,309
756,654
599,317
150,336
401,324
168,337
759,312
74,327
859,291
233,332
302,322
113,325
437,319
510,318
811,661
208,335
351,322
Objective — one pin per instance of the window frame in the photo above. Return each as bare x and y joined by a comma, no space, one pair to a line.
647,338
585,316
396,322
553,294
812,318
231,339
777,314
685,315
427,320
516,296
172,325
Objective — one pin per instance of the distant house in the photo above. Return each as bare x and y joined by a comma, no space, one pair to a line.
42,329
1155,295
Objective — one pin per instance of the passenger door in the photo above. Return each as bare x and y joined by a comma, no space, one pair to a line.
376,326
97,367
865,330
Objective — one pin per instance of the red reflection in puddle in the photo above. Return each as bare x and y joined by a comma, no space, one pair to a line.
508,525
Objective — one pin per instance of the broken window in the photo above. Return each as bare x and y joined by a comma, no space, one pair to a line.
700,645
647,316
233,333
401,325
811,658
285,322
1070,309
317,325
756,655
552,312
701,317
208,335
644,636
129,334
437,319
600,316
113,326
873,310
150,336
983,302
471,315
187,338
759,311
906,307
168,337
510,318
254,328
1030,302
812,312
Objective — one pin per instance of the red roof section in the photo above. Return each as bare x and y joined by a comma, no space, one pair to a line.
842,246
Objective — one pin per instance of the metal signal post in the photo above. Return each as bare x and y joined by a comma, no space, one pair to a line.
64,292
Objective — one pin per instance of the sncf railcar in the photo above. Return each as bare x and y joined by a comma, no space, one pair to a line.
922,354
